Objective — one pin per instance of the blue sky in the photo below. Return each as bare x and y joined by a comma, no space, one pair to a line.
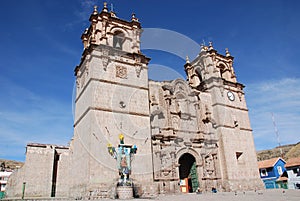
40,47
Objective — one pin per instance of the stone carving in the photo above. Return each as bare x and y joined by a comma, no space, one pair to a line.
121,72
209,166
176,122
78,83
222,90
87,69
153,100
103,32
167,166
138,65
105,58
105,61
240,95
82,80
138,69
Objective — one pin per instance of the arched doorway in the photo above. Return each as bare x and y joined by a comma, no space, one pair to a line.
188,173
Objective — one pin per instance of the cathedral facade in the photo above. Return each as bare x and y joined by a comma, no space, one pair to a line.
191,135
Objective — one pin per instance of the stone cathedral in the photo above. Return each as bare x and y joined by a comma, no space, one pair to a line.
191,135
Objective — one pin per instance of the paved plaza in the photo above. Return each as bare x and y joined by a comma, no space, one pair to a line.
266,195
263,195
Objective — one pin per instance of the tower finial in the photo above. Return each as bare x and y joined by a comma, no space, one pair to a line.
202,47
95,10
133,18
227,52
210,47
105,7
187,60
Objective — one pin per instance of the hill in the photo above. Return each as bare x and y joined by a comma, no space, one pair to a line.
10,164
285,152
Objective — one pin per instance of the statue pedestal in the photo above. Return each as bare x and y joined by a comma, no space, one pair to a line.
125,192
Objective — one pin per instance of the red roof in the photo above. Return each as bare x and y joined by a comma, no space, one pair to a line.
293,162
268,163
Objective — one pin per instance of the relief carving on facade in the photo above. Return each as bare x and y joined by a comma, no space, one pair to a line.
167,167
103,31
153,100
77,83
121,72
161,97
87,65
105,58
176,122
240,95
157,119
138,69
208,118
135,34
82,79
138,65
78,80
209,166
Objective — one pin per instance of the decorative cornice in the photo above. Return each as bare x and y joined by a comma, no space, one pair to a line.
121,21
233,127
90,48
108,110
109,82
246,129
231,106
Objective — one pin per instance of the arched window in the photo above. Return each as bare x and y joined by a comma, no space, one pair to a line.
198,72
222,70
119,38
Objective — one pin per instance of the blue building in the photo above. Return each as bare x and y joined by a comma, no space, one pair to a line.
270,172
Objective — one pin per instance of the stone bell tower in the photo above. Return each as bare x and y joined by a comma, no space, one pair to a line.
213,73
111,99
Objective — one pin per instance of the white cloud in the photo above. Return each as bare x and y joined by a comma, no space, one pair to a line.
82,14
282,98
27,117
159,72
86,9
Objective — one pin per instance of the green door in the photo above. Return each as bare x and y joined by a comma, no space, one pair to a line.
283,185
194,177
2,194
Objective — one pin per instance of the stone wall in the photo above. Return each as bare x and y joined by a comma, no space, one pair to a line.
37,172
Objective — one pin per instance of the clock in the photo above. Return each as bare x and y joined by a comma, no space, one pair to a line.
230,95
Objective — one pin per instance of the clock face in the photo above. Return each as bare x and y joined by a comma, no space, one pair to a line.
230,95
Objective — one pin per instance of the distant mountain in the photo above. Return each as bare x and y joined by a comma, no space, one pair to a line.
10,164
285,152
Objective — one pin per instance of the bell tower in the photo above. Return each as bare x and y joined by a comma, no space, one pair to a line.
111,99
213,73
